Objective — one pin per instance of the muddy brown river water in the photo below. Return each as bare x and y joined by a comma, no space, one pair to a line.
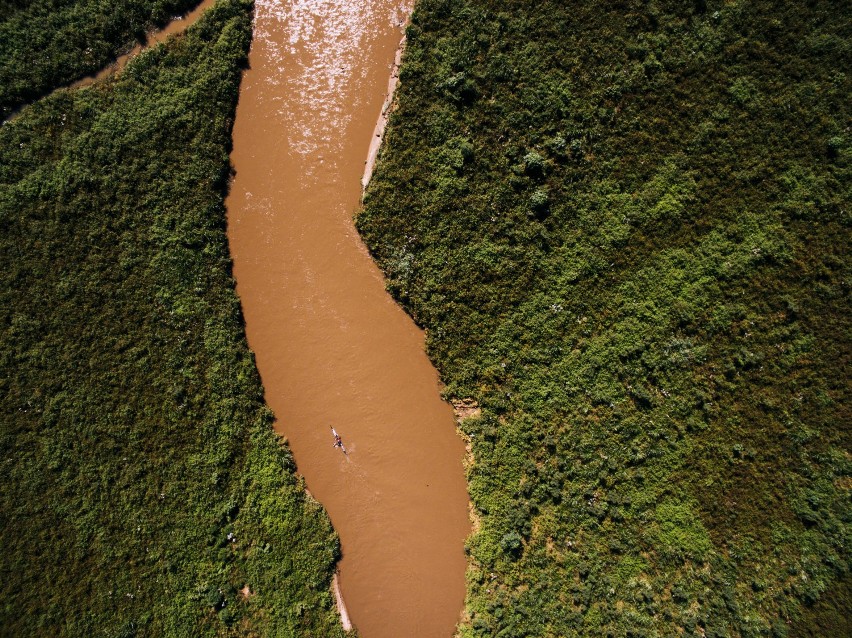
332,347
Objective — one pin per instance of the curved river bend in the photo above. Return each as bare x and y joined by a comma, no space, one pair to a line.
331,345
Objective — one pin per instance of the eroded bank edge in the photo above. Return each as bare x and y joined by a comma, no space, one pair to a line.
382,121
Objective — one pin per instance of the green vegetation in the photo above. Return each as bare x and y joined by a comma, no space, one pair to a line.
143,487
626,228
48,43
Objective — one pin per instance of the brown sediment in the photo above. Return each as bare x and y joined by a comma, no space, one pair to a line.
465,409
332,347
341,604
384,115
178,25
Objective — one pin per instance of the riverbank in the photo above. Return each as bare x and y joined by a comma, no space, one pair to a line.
384,116
626,231
341,604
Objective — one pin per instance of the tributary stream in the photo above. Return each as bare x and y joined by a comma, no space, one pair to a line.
178,25
332,347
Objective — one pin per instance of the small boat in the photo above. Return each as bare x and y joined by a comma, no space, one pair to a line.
338,442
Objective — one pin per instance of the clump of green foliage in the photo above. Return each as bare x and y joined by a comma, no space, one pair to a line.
49,43
144,492
639,268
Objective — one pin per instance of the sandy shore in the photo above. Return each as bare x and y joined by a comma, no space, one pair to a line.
341,605
381,123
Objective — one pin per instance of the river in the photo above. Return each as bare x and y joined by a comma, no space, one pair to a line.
332,347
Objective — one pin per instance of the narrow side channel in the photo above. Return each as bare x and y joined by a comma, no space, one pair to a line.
332,347
178,25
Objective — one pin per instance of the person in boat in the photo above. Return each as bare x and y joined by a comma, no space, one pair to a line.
338,442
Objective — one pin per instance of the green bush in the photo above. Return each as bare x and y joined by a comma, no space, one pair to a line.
640,276
48,44
143,485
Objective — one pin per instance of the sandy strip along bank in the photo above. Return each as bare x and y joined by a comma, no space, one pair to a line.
341,605
384,116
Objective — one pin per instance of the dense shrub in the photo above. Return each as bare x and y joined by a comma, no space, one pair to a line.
641,274
144,492
50,43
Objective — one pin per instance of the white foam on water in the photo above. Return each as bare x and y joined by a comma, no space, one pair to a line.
318,56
